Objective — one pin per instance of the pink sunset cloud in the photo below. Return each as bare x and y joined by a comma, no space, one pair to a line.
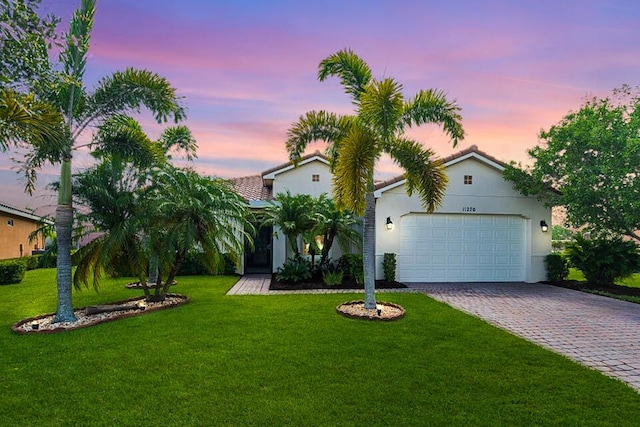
248,70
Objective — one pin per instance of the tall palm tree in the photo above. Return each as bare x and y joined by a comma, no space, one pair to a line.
122,92
377,126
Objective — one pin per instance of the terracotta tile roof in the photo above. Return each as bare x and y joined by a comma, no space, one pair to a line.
252,188
472,149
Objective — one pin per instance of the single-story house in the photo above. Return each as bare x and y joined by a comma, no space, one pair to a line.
484,230
15,227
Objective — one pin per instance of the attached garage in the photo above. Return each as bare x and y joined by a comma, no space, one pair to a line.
484,230
462,248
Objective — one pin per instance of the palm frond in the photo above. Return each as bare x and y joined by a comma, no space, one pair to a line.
354,73
25,120
178,139
311,127
424,174
353,176
122,137
128,91
432,106
381,107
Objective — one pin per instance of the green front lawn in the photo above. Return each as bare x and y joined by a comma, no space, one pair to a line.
286,360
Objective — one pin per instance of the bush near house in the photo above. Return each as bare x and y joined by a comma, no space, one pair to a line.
294,270
557,268
353,266
389,267
12,271
603,261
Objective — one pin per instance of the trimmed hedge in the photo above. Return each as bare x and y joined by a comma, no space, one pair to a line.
557,268
12,271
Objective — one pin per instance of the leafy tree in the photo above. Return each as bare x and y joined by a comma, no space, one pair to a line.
591,160
24,62
24,39
560,233
377,126
120,93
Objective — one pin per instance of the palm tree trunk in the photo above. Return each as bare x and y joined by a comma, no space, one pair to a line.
369,251
153,268
64,222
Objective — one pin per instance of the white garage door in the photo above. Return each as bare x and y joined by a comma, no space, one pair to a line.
461,248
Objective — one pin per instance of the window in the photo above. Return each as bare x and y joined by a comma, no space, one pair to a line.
315,177
468,179
10,222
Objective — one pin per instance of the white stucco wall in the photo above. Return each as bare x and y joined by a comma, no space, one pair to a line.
489,194
299,181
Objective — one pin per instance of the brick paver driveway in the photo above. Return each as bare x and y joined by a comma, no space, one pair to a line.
599,332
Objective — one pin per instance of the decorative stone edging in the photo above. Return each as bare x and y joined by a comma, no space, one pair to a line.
26,326
384,310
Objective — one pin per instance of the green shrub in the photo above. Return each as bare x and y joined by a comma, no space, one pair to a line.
333,278
352,266
294,270
192,266
603,261
332,275
12,271
389,267
557,268
229,267
32,261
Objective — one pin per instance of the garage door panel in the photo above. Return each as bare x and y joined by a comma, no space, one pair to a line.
450,248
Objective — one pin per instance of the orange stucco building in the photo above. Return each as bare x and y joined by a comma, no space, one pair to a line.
15,227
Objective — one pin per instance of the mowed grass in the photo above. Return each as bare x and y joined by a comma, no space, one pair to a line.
286,360
632,282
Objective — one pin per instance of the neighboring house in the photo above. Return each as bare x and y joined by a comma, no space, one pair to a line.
484,230
15,227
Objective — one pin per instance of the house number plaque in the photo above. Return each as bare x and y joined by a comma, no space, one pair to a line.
468,209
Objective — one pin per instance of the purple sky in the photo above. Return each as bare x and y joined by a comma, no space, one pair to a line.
247,69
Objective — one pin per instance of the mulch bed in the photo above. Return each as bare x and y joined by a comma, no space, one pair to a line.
319,284
584,286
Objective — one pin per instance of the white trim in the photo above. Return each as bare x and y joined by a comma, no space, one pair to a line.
476,156
23,214
473,154
272,175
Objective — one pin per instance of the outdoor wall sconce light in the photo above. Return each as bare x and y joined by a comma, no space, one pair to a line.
543,226
389,223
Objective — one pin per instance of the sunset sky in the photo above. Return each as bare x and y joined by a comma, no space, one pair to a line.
248,69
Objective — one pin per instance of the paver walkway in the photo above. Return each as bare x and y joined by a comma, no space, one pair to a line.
258,284
599,332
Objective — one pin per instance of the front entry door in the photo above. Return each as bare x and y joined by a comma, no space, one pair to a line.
258,260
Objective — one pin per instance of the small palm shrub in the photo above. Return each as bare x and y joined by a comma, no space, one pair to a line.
557,267
12,271
389,267
603,261
293,271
